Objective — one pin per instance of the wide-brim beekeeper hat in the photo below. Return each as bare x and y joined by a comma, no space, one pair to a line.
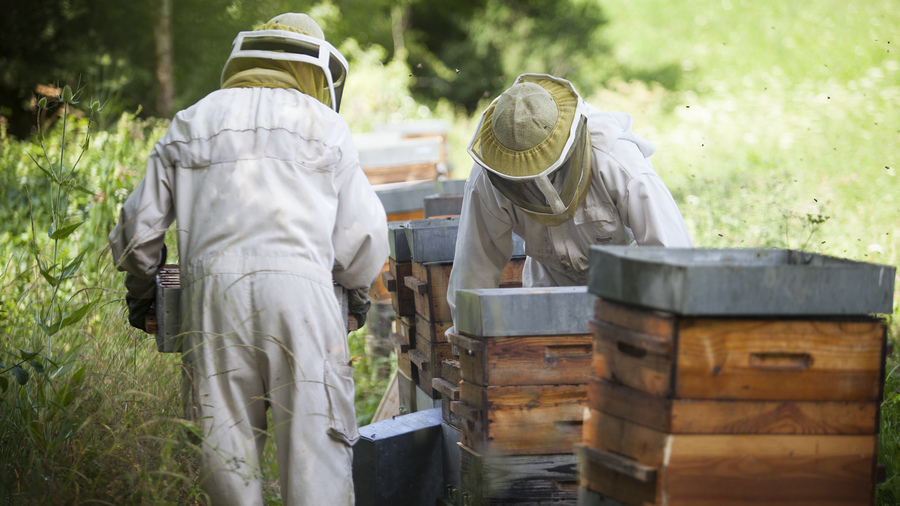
289,51
534,144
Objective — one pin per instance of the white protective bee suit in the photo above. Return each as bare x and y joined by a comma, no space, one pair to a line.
624,202
270,206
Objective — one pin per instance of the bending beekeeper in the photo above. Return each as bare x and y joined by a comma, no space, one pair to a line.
562,175
270,204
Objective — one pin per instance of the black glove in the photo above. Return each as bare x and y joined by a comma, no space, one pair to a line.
142,294
358,305
137,311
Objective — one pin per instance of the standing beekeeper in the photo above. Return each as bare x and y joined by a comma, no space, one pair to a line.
562,175
271,206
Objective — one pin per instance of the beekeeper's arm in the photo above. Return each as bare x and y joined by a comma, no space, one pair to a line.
138,240
642,199
484,241
360,236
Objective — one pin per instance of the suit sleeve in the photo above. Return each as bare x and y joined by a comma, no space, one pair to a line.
360,235
642,199
484,242
138,239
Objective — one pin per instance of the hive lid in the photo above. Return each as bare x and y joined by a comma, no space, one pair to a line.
397,241
739,281
403,197
506,312
433,240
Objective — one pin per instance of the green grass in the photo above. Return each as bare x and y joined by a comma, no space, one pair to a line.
776,125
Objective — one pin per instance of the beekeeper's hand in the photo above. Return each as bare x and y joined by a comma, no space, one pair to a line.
137,311
358,305
141,294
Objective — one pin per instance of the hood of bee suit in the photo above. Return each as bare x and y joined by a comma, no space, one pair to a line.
273,73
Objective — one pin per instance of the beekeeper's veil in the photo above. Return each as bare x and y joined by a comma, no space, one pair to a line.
289,51
534,145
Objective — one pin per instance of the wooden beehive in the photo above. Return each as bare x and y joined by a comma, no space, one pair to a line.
732,408
525,358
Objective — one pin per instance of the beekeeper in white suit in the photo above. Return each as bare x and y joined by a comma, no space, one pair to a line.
263,181
563,175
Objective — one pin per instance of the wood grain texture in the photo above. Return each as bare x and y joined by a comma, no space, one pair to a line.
646,321
594,475
450,370
770,470
635,367
402,298
433,331
430,368
401,173
526,419
526,360
432,304
402,351
688,416
779,360
710,469
415,214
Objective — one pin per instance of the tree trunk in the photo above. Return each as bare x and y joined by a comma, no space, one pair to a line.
163,37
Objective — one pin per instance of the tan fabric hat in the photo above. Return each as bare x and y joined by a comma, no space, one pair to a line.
525,130
295,22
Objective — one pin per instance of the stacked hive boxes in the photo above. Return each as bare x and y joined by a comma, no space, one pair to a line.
525,359
733,377
432,244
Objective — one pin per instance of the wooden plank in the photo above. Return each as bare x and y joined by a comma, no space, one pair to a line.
637,442
401,174
526,360
620,361
629,403
449,417
771,359
406,328
402,298
450,371
430,367
642,320
707,470
402,351
446,389
517,479
406,393
433,331
431,303
687,416
415,214
714,469
511,276
622,465
526,419
594,475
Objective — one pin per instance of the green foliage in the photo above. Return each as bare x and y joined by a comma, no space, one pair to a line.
888,492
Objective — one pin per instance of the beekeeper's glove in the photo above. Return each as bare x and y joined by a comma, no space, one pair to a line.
358,305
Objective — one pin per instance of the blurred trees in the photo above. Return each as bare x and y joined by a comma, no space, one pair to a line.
462,50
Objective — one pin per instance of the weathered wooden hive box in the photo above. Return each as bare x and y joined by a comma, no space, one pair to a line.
733,377
525,356
403,202
432,244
